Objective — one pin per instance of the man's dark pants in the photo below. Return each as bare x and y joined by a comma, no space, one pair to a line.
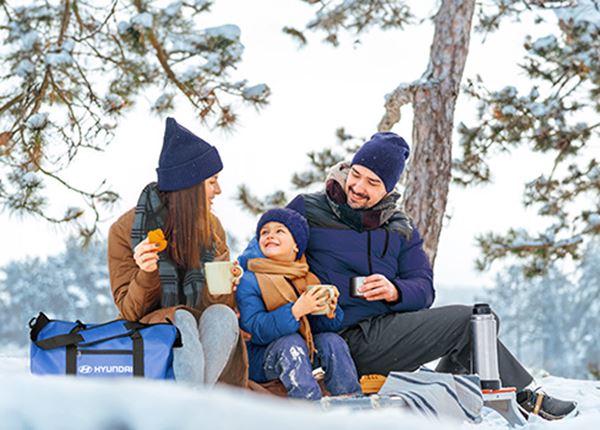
405,341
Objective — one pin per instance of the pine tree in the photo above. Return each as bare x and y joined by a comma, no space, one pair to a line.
589,291
433,97
550,321
72,69
558,116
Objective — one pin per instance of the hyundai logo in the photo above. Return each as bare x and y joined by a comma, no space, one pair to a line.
85,369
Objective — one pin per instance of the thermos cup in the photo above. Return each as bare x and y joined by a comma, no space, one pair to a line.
355,283
484,354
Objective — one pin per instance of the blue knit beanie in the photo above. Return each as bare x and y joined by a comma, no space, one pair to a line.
385,154
185,159
295,223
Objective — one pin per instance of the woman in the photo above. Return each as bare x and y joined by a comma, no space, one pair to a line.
151,286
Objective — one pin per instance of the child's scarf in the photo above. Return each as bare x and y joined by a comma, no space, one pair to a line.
273,277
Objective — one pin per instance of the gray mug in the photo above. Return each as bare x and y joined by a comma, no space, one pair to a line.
355,283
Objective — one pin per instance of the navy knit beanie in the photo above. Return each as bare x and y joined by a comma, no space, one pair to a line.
295,223
185,159
385,154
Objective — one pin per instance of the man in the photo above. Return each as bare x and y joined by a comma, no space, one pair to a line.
356,229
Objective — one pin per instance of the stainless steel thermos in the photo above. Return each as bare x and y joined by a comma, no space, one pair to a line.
484,354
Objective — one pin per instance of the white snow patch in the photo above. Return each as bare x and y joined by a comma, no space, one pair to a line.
227,31
213,65
538,109
173,9
123,27
126,403
544,43
5,298
143,20
509,91
113,102
24,68
585,10
103,300
38,120
28,40
569,241
594,220
509,110
82,301
256,92
164,101
58,58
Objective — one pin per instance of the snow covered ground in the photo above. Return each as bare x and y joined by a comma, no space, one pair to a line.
30,402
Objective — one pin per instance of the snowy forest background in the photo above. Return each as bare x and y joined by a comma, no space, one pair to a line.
547,294
549,322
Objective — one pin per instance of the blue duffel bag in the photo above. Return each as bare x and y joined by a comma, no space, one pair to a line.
113,349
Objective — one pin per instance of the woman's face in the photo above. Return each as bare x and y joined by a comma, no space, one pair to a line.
213,188
276,242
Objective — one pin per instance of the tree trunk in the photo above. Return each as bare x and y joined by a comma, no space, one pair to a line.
434,99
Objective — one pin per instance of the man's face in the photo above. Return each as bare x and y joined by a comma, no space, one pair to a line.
363,188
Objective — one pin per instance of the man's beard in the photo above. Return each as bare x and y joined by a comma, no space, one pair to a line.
364,198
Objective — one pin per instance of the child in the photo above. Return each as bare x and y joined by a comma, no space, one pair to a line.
286,341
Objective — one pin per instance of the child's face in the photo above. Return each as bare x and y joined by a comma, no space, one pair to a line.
276,242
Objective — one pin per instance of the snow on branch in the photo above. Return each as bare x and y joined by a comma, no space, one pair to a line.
402,95
75,68
354,17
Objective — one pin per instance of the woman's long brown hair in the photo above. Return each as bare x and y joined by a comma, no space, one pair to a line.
189,227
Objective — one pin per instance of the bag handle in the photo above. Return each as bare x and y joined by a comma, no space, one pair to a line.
59,341
85,336
36,324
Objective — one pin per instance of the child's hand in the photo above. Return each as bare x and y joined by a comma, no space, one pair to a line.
310,301
333,304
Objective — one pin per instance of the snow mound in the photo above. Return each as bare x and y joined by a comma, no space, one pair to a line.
33,402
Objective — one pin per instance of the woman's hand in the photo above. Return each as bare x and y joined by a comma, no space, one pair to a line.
309,302
145,255
237,273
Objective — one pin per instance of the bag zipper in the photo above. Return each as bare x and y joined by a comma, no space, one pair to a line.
104,351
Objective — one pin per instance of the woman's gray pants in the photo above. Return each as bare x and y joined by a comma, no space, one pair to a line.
207,344
405,341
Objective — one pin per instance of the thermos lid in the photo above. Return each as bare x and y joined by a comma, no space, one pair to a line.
482,309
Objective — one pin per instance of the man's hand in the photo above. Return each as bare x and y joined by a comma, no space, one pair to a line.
378,287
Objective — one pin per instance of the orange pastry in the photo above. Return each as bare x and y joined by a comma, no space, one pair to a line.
157,236
371,384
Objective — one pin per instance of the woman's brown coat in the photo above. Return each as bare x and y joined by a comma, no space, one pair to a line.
137,294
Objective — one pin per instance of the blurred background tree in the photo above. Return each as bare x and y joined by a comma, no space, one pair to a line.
71,69
558,115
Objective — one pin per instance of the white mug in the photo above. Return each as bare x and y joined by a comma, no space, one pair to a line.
219,278
330,289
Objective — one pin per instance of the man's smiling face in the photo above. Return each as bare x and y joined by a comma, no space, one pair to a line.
363,188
